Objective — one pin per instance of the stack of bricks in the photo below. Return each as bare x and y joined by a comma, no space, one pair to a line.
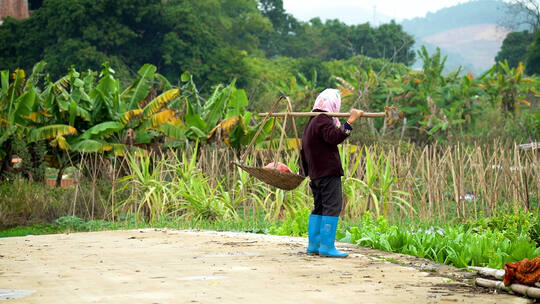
14,8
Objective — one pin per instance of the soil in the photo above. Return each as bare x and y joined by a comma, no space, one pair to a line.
173,266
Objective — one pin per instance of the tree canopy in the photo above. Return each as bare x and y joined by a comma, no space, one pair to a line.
533,55
210,39
514,48
523,46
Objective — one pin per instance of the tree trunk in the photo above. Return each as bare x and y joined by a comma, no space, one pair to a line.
7,164
59,176
36,168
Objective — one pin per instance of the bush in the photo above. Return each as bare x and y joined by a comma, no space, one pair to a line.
295,224
24,203
511,225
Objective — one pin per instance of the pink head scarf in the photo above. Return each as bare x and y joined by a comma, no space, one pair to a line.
330,101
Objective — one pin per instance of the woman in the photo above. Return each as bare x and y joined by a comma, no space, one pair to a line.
322,163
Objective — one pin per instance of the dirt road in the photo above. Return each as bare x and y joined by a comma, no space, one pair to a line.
170,266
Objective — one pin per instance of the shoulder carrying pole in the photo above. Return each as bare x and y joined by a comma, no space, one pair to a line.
392,114
309,114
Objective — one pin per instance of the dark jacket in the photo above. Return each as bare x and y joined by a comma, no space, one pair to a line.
320,154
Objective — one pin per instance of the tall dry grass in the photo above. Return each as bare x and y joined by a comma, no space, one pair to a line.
399,182
463,182
445,183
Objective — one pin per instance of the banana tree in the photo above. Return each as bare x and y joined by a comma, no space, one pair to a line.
507,87
236,126
79,115
16,101
222,117
365,89
436,105
131,118
420,97
300,89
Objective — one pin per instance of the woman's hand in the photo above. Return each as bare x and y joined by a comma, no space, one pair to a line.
354,115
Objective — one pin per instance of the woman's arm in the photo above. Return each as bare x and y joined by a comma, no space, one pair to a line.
354,115
330,133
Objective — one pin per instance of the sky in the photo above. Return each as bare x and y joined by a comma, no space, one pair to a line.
361,11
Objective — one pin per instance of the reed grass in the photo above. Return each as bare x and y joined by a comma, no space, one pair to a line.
401,182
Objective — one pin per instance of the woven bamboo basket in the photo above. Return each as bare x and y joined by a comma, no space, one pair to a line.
271,176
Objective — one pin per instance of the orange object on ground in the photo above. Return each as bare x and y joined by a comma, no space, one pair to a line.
280,167
526,272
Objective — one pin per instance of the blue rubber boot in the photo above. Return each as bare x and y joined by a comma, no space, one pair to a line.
314,234
328,237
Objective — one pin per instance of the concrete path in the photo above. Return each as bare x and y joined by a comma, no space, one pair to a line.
170,266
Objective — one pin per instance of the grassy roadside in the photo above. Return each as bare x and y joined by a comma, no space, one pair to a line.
68,224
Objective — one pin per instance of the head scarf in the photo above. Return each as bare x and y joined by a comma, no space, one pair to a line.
330,101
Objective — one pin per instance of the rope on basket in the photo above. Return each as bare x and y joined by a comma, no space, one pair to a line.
271,176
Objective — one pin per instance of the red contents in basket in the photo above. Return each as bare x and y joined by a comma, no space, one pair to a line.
280,167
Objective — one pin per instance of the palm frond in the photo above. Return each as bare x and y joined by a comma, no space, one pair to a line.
141,87
226,126
60,86
52,131
177,122
123,150
74,110
92,146
164,82
155,105
103,130
31,117
173,131
60,141
37,70
158,119
130,115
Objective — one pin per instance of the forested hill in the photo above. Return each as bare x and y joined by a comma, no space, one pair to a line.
470,33
464,14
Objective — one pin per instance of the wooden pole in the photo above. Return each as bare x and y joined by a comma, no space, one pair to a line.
489,272
525,290
309,114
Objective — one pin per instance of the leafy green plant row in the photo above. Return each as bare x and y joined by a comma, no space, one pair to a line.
453,244
457,244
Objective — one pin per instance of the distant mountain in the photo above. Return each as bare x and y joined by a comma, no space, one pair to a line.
476,44
464,14
470,34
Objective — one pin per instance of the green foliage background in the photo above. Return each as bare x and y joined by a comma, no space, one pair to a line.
213,40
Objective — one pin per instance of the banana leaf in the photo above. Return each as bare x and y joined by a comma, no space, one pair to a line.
102,130
141,87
